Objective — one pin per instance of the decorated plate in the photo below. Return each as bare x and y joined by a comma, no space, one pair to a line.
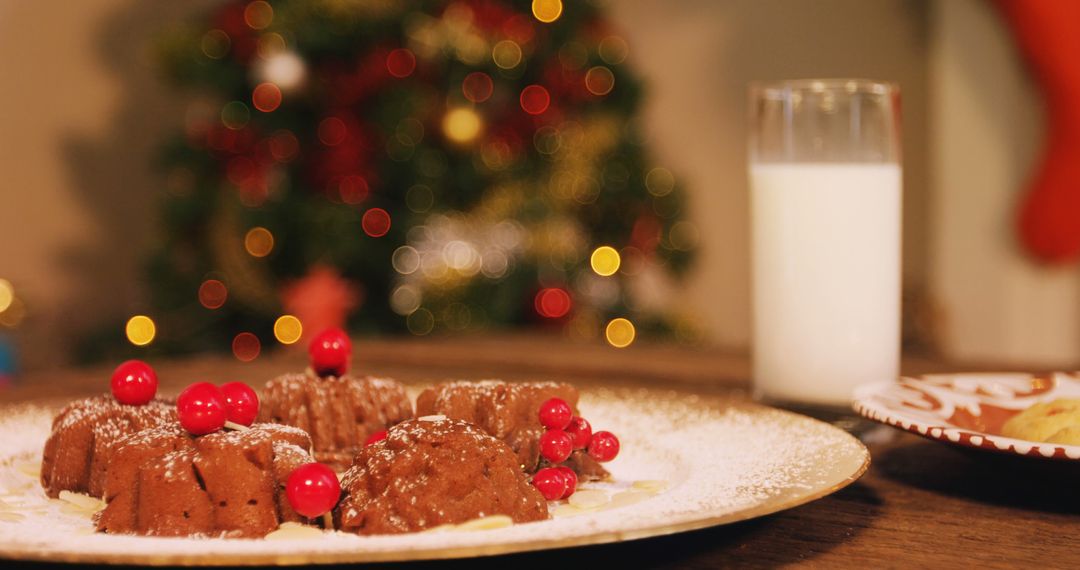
969,409
687,462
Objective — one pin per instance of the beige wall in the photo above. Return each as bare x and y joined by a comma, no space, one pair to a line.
81,112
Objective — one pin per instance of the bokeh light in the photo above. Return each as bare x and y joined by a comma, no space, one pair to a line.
284,145
535,99
266,97
405,299
235,115
7,294
477,87
419,198
400,63
599,80
605,260
259,242
353,189
332,131
212,294
659,181
613,50
620,333
285,69
258,14
376,222
506,54
552,303
271,44
215,44
140,330
547,11
406,260
420,322
13,314
246,347
461,125
288,329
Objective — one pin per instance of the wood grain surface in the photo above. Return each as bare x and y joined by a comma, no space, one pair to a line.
922,504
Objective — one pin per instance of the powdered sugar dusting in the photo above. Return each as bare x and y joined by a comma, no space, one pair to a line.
720,463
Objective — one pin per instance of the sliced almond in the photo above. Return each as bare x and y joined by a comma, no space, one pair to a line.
487,523
434,418
651,486
294,531
29,468
11,517
565,510
589,499
85,502
627,498
440,528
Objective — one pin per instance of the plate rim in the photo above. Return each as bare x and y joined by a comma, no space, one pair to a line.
865,407
359,556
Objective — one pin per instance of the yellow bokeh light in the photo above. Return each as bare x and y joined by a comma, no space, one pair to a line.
620,333
547,11
258,14
288,329
461,125
420,322
7,294
605,260
140,330
259,242
506,54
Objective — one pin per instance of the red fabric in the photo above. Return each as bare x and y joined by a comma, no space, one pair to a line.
1048,34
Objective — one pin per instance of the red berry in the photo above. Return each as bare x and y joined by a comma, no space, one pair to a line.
556,445
555,413
580,431
550,482
134,383
313,489
376,437
330,352
571,480
201,408
604,446
241,403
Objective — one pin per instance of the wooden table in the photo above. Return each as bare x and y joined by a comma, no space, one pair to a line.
922,504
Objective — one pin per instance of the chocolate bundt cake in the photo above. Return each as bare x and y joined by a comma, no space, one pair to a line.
83,438
340,413
434,471
166,482
508,411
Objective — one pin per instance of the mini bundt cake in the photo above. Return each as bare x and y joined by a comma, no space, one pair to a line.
339,412
165,482
84,435
434,471
508,411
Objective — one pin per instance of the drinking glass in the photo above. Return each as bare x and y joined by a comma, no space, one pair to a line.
825,183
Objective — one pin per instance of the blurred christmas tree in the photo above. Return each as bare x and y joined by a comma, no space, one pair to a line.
420,166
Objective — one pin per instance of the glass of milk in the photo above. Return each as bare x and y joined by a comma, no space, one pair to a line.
824,167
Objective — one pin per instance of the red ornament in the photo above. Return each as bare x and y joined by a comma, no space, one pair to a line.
550,482
580,431
555,413
241,403
556,445
376,437
202,408
313,489
331,352
604,446
571,480
134,383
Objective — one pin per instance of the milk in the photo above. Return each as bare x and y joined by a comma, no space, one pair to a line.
826,278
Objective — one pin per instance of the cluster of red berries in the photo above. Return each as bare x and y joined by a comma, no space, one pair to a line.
204,408
566,433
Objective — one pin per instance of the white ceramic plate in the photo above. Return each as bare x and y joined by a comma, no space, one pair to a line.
968,409
718,463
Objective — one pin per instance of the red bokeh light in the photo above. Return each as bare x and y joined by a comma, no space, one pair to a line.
212,294
266,97
246,347
552,303
401,63
353,189
332,131
376,222
477,87
535,99
284,146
